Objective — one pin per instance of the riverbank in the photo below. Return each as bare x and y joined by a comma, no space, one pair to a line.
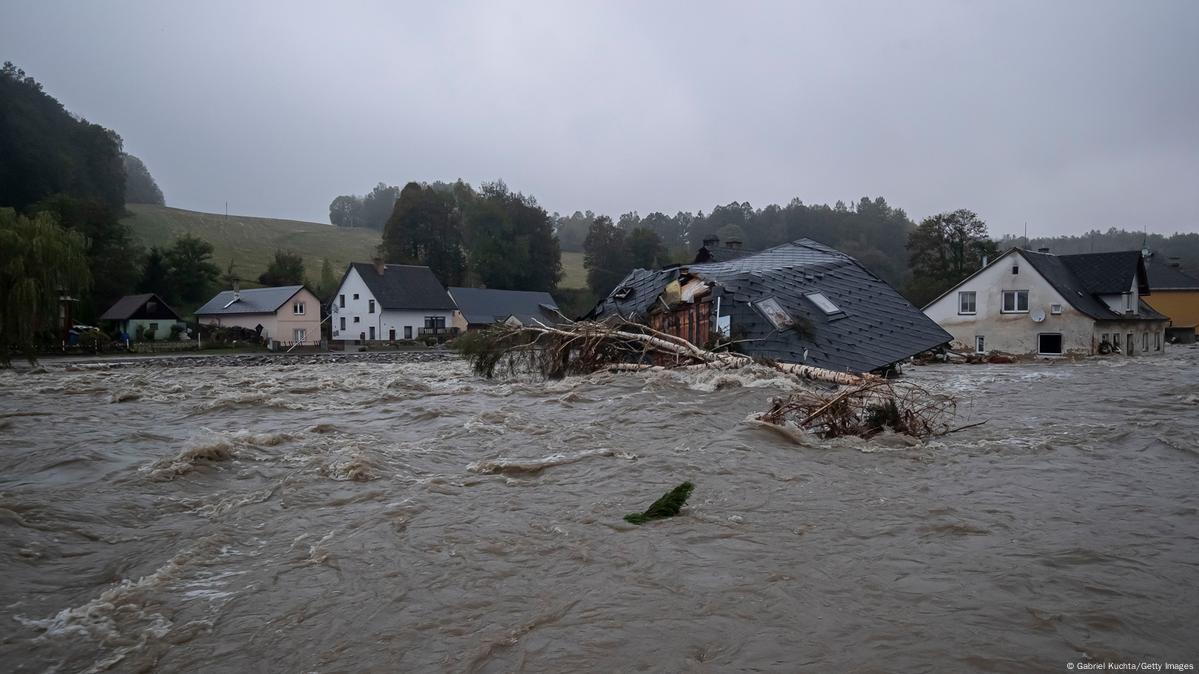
218,359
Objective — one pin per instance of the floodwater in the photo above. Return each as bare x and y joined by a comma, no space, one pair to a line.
413,517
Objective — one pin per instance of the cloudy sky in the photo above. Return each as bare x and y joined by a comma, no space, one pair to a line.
1064,115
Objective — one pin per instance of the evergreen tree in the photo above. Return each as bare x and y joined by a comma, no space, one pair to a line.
287,269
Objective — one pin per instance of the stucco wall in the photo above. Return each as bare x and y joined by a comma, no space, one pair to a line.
287,321
1152,332
163,331
1011,332
1182,306
382,321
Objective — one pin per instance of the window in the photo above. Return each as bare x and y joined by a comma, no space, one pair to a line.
966,302
151,307
980,344
1055,309
371,307
1049,344
435,322
823,302
1015,302
341,301
300,335
1128,303
343,322
355,295
775,313
1144,341
356,319
297,308
1116,341
152,328
1015,269
372,332
407,332
1157,341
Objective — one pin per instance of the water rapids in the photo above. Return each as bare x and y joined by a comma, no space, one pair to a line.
412,517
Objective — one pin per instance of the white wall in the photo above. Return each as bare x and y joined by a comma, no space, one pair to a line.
382,321
1011,333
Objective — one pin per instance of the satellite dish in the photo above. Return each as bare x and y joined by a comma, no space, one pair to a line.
1038,315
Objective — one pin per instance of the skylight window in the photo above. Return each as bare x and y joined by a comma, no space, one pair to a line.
823,303
775,313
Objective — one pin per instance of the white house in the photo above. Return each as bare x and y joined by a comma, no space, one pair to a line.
378,302
1051,305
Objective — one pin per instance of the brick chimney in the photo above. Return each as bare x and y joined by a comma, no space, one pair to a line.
380,267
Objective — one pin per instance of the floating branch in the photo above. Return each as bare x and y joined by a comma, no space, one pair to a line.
668,506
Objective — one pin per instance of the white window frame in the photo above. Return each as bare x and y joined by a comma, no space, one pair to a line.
1016,294
370,304
775,313
297,308
973,301
300,335
1051,353
823,303
980,344
356,319
1055,309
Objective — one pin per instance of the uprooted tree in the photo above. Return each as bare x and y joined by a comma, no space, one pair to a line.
860,404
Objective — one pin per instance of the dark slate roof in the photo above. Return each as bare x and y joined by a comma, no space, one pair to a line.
404,287
249,301
1081,278
486,305
129,304
1107,273
1162,276
876,327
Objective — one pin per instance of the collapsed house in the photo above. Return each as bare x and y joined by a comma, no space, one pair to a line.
801,302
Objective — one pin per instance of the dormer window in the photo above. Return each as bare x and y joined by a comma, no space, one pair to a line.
623,292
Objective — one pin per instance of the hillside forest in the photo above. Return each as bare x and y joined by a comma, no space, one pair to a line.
69,182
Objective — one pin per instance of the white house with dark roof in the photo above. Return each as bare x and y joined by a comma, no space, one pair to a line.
390,302
1042,304
286,314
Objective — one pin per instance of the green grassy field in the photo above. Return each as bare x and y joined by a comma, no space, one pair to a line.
574,275
251,242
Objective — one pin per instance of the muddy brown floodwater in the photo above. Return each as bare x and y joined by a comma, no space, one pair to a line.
413,517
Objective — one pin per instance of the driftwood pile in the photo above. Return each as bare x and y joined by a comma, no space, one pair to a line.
860,405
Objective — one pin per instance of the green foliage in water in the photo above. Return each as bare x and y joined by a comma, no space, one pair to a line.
668,506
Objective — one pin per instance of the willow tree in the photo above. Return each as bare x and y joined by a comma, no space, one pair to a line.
39,263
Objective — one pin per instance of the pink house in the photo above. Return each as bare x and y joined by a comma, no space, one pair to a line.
286,314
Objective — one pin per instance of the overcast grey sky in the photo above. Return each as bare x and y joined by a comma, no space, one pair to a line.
1067,115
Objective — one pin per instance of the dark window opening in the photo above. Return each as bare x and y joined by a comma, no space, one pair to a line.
1049,344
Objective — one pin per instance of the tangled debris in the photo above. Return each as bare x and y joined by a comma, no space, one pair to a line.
864,410
584,347
861,405
668,506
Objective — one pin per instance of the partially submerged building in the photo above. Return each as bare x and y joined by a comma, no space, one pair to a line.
484,307
1037,303
1176,295
801,302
